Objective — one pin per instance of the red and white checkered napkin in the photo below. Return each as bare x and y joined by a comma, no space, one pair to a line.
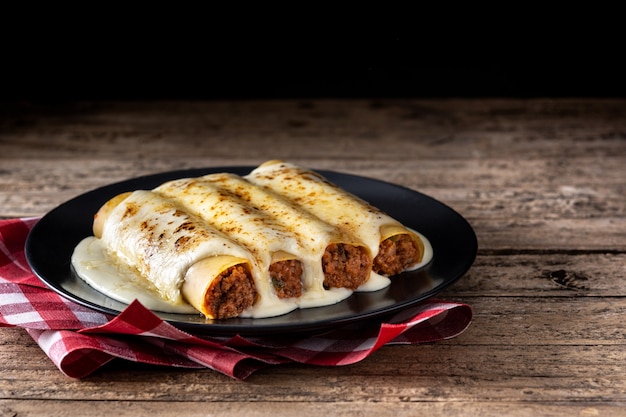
80,340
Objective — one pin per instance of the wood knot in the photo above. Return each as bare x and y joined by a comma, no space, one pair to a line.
568,279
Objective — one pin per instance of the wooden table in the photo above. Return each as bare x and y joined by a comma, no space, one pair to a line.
542,181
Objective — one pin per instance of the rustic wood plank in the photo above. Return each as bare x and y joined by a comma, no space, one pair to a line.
340,409
328,130
587,179
507,206
429,374
559,274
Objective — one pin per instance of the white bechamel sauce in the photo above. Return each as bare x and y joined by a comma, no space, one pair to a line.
428,252
312,299
98,270
374,283
94,266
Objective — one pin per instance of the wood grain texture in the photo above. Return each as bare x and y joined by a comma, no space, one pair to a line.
542,181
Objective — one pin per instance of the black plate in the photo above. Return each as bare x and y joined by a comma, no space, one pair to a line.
51,242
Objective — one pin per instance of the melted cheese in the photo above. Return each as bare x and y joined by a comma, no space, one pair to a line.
315,194
264,223
117,281
151,240
160,241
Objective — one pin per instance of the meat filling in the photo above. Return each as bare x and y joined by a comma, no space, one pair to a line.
395,255
286,278
345,266
231,293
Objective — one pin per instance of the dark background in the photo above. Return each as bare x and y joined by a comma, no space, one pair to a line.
195,55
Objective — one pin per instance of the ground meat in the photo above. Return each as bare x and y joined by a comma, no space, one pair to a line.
286,278
345,266
231,293
395,255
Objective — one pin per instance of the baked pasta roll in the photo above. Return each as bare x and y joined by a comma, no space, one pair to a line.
394,247
182,257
